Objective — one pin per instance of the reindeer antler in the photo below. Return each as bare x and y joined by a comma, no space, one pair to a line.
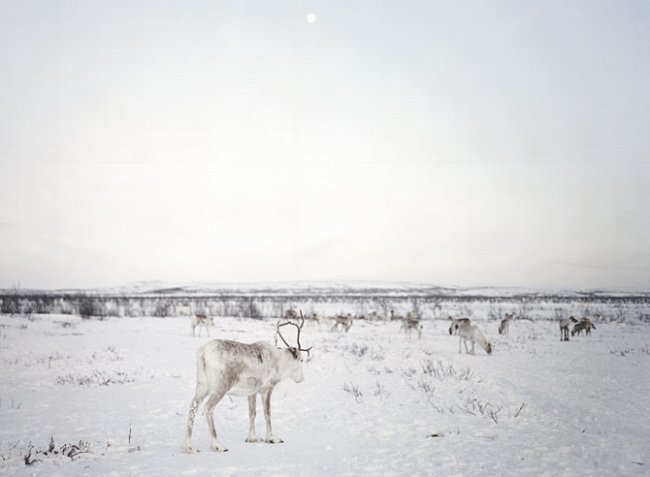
302,322
298,328
277,330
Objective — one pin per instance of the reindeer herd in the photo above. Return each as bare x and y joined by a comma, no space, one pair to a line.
248,369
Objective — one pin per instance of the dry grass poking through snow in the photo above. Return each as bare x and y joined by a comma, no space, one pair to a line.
372,403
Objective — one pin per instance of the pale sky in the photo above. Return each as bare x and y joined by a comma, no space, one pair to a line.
445,142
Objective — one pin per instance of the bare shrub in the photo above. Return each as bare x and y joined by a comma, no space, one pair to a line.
425,385
69,450
97,378
521,408
354,390
441,371
380,391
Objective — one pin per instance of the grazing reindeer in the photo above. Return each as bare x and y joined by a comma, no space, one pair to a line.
408,325
343,322
241,369
456,323
564,327
472,334
203,322
585,325
589,326
504,326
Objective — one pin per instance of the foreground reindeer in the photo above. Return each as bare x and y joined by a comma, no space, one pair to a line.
241,369
564,327
504,326
203,322
472,334
456,323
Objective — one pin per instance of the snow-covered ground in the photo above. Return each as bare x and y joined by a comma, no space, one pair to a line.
373,402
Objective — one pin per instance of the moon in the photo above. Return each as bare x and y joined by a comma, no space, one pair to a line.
311,18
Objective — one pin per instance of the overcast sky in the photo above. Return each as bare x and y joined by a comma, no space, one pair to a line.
445,142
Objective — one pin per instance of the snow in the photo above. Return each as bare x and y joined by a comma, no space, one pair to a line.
369,405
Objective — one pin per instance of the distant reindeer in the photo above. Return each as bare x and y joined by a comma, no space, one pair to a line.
589,326
203,322
375,316
472,334
313,317
564,327
291,314
456,323
504,326
342,322
395,317
410,324
224,366
585,325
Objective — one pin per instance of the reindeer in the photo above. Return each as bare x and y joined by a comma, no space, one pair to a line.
504,326
290,314
241,369
375,316
564,327
203,322
456,323
472,334
589,326
585,325
343,322
410,324
394,317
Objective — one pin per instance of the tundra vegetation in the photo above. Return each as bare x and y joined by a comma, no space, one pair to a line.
83,395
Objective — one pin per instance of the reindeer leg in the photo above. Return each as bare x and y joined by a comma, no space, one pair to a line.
266,400
252,412
465,343
213,400
199,396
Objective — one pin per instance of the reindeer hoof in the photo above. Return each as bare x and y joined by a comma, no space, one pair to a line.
253,439
218,449
274,440
189,450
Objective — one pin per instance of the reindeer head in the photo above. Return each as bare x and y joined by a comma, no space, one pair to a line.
291,355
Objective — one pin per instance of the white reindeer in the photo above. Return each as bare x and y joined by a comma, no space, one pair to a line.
504,326
410,324
456,323
241,369
203,322
564,327
472,334
342,322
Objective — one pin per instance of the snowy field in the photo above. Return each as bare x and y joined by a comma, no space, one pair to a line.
112,397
